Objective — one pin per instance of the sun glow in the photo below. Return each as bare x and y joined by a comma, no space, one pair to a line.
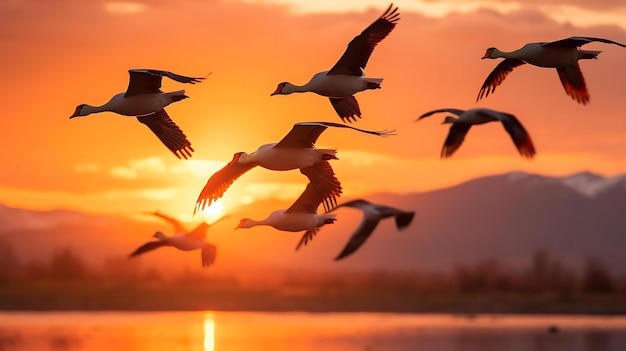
209,333
215,209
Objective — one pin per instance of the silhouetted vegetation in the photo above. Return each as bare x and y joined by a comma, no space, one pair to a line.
545,285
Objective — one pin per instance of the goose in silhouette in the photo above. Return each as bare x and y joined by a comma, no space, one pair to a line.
295,150
561,54
182,239
145,100
323,187
347,77
372,215
461,125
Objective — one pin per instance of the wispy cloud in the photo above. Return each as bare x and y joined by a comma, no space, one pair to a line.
87,168
580,13
281,191
124,7
154,166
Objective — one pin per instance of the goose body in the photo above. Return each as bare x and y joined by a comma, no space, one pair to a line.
135,105
290,222
466,119
296,150
347,77
323,188
561,54
182,240
145,100
372,215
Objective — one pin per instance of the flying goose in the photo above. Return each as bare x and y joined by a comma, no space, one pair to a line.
323,187
461,125
372,214
182,240
145,100
561,54
347,77
295,150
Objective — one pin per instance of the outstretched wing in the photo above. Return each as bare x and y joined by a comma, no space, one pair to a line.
516,130
149,246
168,132
574,82
305,134
454,111
148,81
496,77
359,237
209,252
346,107
220,181
178,225
323,187
355,58
455,138
573,42
307,236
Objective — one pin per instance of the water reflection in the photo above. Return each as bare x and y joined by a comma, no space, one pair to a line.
243,331
209,332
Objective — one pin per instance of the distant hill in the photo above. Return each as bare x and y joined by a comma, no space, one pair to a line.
508,217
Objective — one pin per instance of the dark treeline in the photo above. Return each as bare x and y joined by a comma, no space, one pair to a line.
64,281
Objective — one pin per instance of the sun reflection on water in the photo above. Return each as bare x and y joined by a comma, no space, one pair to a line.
209,332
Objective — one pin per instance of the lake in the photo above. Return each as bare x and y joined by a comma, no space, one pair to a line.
239,331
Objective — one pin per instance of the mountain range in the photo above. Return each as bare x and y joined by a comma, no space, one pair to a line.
507,217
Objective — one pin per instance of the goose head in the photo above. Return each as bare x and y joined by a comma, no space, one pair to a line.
159,235
245,223
284,88
492,53
82,110
240,157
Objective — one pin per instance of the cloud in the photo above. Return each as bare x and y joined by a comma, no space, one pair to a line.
86,168
281,191
124,7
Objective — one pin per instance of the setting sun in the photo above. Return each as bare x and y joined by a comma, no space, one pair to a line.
214,209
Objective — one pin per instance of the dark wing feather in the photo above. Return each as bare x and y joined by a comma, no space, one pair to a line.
148,81
347,108
455,138
323,188
359,50
307,236
209,252
143,82
573,42
358,203
574,83
450,110
219,182
404,219
168,132
359,237
496,77
178,226
301,135
149,246
518,133
305,134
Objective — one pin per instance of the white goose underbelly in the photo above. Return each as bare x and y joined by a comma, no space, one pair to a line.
294,222
552,57
284,159
139,105
339,85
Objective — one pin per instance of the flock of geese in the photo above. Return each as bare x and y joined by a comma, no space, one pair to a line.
144,100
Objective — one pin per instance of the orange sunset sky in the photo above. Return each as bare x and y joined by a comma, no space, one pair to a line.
58,54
